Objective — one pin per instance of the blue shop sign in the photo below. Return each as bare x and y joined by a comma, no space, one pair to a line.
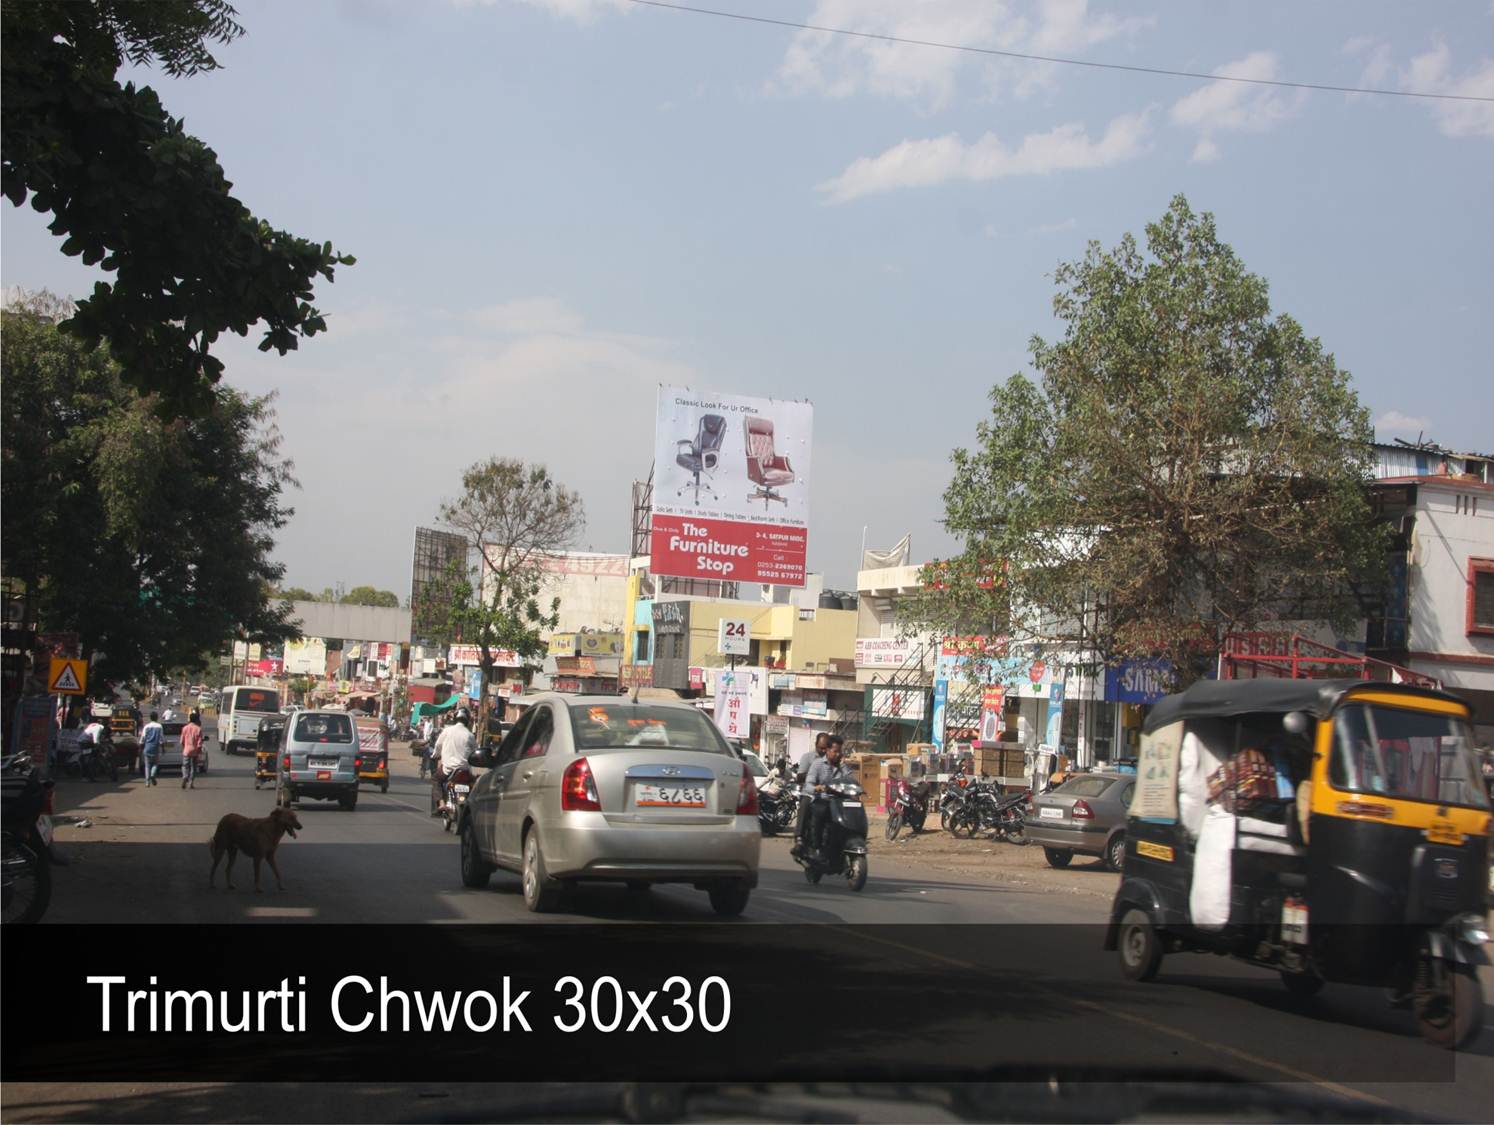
1138,681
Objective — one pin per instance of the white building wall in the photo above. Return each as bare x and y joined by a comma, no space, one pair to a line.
1448,533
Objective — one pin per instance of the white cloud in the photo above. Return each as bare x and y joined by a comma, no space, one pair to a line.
841,66
1394,422
532,315
1055,228
942,159
1378,67
1432,71
1236,106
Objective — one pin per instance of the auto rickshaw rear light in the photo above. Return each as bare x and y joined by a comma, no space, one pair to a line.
747,795
1366,808
578,789
358,763
1082,811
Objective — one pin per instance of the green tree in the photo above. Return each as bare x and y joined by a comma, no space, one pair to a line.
132,192
297,594
1187,464
514,516
148,536
367,595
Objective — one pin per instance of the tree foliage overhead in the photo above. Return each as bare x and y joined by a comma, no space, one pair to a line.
367,595
514,517
151,538
1187,464
130,191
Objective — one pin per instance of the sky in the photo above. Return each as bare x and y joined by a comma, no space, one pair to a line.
558,205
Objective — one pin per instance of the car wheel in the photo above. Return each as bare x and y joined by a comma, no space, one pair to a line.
1140,948
730,899
1115,852
1058,857
348,803
475,871
541,893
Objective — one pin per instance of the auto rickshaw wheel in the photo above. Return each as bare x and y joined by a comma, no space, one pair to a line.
1448,1003
1140,947
384,787
1303,986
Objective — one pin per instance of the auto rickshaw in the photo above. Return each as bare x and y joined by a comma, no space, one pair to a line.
373,751
1331,830
267,744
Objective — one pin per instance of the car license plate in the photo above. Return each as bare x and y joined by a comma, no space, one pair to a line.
44,829
322,763
1050,814
670,796
324,775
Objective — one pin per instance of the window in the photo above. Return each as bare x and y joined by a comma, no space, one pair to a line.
640,648
614,725
257,699
508,749
537,738
1085,786
1413,755
1481,596
323,728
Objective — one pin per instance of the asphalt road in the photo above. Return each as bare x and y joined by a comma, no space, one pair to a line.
145,858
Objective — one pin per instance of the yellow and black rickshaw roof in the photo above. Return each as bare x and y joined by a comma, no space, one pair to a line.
1219,699
275,723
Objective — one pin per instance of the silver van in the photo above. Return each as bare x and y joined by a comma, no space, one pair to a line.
318,758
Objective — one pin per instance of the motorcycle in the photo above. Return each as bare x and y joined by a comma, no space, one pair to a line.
458,785
25,843
97,759
1012,812
907,804
777,804
842,851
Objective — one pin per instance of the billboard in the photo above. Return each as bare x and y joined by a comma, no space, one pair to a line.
435,552
731,487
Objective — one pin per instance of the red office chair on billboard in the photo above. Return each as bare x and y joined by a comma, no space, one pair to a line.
700,456
766,469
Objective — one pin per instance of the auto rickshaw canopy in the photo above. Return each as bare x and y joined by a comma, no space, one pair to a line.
1227,698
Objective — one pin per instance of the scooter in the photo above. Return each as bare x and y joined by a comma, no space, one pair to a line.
458,785
842,851
25,843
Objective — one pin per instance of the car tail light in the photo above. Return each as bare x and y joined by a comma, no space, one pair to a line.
286,761
1082,811
747,796
578,789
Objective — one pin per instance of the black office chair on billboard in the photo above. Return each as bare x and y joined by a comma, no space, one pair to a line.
766,469
700,455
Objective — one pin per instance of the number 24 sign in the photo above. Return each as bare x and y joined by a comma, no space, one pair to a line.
734,637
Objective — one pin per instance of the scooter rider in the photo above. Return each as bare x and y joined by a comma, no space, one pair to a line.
808,761
824,772
454,749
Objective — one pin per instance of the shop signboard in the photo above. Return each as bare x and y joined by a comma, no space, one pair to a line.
264,668
733,709
474,683
776,724
33,728
697,679
465,655
745,516
808,682
941,702
635,675
897,703
753,681
781,681
599,644
882,652
1138,681
563,644
1156,796
734,636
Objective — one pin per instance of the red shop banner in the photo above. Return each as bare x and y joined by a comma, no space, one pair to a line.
728,550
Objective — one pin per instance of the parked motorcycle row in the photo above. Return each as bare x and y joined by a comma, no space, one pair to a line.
971,806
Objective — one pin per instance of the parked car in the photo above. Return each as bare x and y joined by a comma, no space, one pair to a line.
318,759
598,788
1086,815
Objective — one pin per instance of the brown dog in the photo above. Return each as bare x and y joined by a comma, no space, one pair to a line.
257,839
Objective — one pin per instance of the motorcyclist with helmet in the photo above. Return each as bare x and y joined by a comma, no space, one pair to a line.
454,749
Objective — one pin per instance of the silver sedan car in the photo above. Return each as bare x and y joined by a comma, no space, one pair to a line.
603,789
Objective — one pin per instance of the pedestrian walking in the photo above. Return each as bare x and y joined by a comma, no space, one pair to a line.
150,747
191,750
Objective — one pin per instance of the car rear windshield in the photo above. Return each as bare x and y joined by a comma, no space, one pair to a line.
257,699
324,728
1085,786
606,725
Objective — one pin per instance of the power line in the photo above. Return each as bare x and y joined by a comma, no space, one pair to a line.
1163,71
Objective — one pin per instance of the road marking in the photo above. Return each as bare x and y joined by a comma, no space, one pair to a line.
1142,1021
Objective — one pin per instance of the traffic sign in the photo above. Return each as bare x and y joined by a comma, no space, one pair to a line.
67,677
